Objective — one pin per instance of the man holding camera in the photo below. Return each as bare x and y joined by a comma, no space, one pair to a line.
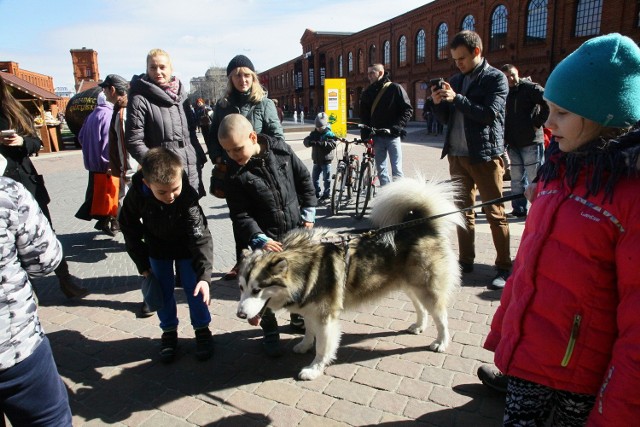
473,106
385,105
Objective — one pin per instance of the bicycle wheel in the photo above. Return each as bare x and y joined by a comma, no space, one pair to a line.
364,190
352,180
337,190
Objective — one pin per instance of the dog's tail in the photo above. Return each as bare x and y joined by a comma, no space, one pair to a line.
414,198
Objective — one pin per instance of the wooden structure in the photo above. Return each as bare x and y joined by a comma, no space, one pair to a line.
34,99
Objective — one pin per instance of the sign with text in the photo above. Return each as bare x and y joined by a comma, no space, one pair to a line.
335,105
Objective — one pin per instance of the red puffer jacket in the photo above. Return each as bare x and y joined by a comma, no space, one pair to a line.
569,314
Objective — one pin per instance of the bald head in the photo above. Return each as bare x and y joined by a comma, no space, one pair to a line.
237,137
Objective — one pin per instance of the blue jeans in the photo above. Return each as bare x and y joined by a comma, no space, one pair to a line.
325,169
525,162
32,392
388,146
198,310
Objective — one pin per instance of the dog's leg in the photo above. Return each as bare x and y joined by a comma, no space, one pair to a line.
422,320
437,307
327,341
305,345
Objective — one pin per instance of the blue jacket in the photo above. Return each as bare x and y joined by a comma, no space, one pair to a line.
483,108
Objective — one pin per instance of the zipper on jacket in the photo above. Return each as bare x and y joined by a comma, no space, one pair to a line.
572,340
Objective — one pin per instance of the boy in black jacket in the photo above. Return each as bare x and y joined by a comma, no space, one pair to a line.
269,192
323,142
163,224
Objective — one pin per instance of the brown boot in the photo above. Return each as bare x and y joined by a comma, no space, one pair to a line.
67,284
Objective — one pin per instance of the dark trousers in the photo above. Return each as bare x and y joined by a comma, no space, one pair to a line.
32,392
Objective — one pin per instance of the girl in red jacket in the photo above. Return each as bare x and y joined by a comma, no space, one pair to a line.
567,332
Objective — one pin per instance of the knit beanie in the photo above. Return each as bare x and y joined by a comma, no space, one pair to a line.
239,61
321,120
599,81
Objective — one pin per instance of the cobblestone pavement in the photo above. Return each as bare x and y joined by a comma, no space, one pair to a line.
109,361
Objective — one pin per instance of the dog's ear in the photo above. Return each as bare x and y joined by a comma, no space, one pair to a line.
279,267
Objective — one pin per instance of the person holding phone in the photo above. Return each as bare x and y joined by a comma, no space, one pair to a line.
18,141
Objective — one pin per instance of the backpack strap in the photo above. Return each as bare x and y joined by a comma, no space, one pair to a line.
375,101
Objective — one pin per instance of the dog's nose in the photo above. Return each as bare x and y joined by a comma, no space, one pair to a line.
241,314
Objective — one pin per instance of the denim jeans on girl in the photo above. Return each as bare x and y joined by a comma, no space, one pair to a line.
168,315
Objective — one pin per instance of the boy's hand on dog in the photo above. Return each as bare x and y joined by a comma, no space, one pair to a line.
203,287
272,246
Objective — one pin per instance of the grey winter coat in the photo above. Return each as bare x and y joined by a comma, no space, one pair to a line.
156,120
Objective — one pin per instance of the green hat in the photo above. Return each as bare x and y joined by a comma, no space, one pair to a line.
599,81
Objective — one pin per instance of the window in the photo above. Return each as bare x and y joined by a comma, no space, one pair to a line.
360,61
468,23
588,16
387,53
340,71
372,54
536,21
442,41
332,67
420,47
350,69
498,28
402,51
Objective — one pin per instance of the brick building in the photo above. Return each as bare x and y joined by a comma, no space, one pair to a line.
86,72
534,35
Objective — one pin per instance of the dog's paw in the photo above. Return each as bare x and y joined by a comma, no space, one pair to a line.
302,347
309,373
438,347
416,329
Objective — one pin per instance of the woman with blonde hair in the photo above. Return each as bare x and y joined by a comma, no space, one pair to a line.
159,115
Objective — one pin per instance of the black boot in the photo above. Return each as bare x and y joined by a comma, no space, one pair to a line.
271,341
204,343
168,346
67,285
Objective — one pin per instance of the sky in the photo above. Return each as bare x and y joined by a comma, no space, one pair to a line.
198,34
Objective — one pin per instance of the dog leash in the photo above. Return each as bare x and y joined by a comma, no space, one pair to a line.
414,222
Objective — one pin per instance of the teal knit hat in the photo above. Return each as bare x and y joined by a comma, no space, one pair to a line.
599,81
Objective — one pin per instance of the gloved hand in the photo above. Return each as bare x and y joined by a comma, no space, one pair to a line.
398,131
365,134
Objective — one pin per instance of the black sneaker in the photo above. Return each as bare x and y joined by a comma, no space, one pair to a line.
499,281
271,340
144,310
493,378
466,267
204,344
517,214
168,346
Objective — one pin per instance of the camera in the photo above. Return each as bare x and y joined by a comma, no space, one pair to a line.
439,83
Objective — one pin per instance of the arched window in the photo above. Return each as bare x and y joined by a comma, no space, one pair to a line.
332,68
360,61
442,41
372,55
498,38
340,69
402,50
350,62
468,23
420,47
588,17
536,21
387,53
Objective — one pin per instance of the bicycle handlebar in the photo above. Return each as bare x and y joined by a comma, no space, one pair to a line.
376,131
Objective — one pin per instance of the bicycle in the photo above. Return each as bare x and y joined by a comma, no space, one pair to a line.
368,175
345,178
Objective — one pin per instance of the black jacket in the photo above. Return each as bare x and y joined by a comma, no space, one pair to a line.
322,146
154,229
266,194
526,113
483,108
156,120
21,169
393,110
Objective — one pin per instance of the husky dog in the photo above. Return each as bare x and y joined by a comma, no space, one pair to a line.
318,276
